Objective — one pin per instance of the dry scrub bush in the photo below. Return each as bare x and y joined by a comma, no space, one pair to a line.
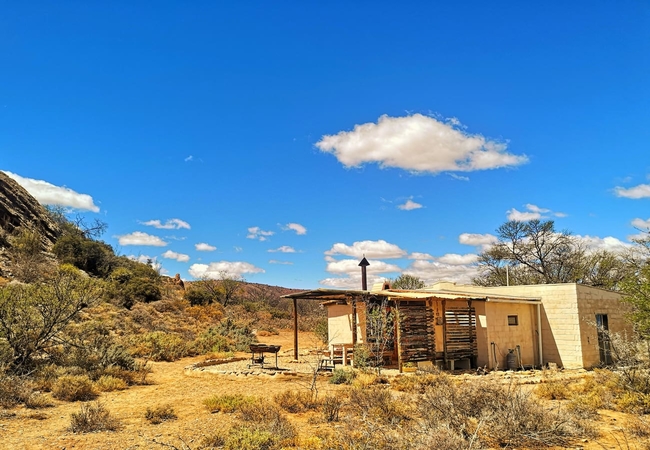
342,376
416,383
227,403
160,414
93,417
109,383
265,417
73,388
160,346
378,403
296,401
14,389
331,407
497,415
37,400
553,390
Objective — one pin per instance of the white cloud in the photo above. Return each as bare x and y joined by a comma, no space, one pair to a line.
259,234
171,224
372,249
189,158
180,257
416,255
350,282
49,194
214,270
636,192
595,243
523,216
459,177
534,212
140,238
409,205
432,271
299,229
351,266
478,240
146,259
641,224
275,261
454,259
283,249
418,143
203,247
238,249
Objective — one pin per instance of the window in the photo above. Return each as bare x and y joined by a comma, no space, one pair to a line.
513,320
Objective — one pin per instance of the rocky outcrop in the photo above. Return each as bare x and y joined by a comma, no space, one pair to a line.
19,209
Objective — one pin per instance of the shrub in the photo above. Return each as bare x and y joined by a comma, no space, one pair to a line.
210,341
553,390
73,388
14,390
251,438
296,401
37,400
342,376
160,414
416,383
109,383
321,330
378,403
227,403
265,417
161,346
93,417
331,406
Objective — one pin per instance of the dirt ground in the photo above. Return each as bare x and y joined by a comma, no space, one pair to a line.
172,383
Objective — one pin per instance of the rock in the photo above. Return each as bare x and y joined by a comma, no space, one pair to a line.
19,209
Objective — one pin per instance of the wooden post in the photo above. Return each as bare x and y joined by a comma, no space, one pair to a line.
295,329
444,330
398,336
354,320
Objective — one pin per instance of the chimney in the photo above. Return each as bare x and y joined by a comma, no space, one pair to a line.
364,280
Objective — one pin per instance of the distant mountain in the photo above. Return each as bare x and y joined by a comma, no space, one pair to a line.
19,209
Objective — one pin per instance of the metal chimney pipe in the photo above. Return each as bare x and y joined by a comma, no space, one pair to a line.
364,280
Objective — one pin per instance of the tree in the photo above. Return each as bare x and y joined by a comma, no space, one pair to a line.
223,290
33,317
534,252
406,281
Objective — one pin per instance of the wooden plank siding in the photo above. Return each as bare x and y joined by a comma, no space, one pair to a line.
460,332
416,334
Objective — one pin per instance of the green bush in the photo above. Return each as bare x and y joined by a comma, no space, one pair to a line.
342,376
321,330
211,341
251,438
198,296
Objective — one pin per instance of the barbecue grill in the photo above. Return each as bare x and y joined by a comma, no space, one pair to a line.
257,354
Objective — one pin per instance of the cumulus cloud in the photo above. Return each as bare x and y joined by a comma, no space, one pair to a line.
416,255
595,243
482,241
203,247
351,266
283,249
636,192
180,257
533,212
275,261
214,270
641,224
146,259
418,143
409,205
259,234
299,229
432,271
140,238
49,194
454,259
350,282
372,249
171,224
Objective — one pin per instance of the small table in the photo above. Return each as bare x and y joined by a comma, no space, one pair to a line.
257,354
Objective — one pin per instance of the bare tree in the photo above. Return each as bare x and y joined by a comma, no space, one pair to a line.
223,289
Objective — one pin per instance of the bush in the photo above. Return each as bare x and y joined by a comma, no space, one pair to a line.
37,400
14,390
378,403
321,330
73,388
93,417
553,390
227,403
210,341
251,438
342,376
296,401
265,417
198,296
331,406
161,346
160,414
109,383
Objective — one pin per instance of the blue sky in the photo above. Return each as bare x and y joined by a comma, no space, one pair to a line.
282,141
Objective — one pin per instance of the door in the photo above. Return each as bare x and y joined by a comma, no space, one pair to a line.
604,345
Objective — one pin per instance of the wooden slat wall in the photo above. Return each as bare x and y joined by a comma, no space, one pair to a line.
461,332
417,331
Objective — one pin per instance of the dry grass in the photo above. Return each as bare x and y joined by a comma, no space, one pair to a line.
296,401
93,417
74,388
227,403
160,414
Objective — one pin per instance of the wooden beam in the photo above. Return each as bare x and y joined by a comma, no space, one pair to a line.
354,320
295,329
